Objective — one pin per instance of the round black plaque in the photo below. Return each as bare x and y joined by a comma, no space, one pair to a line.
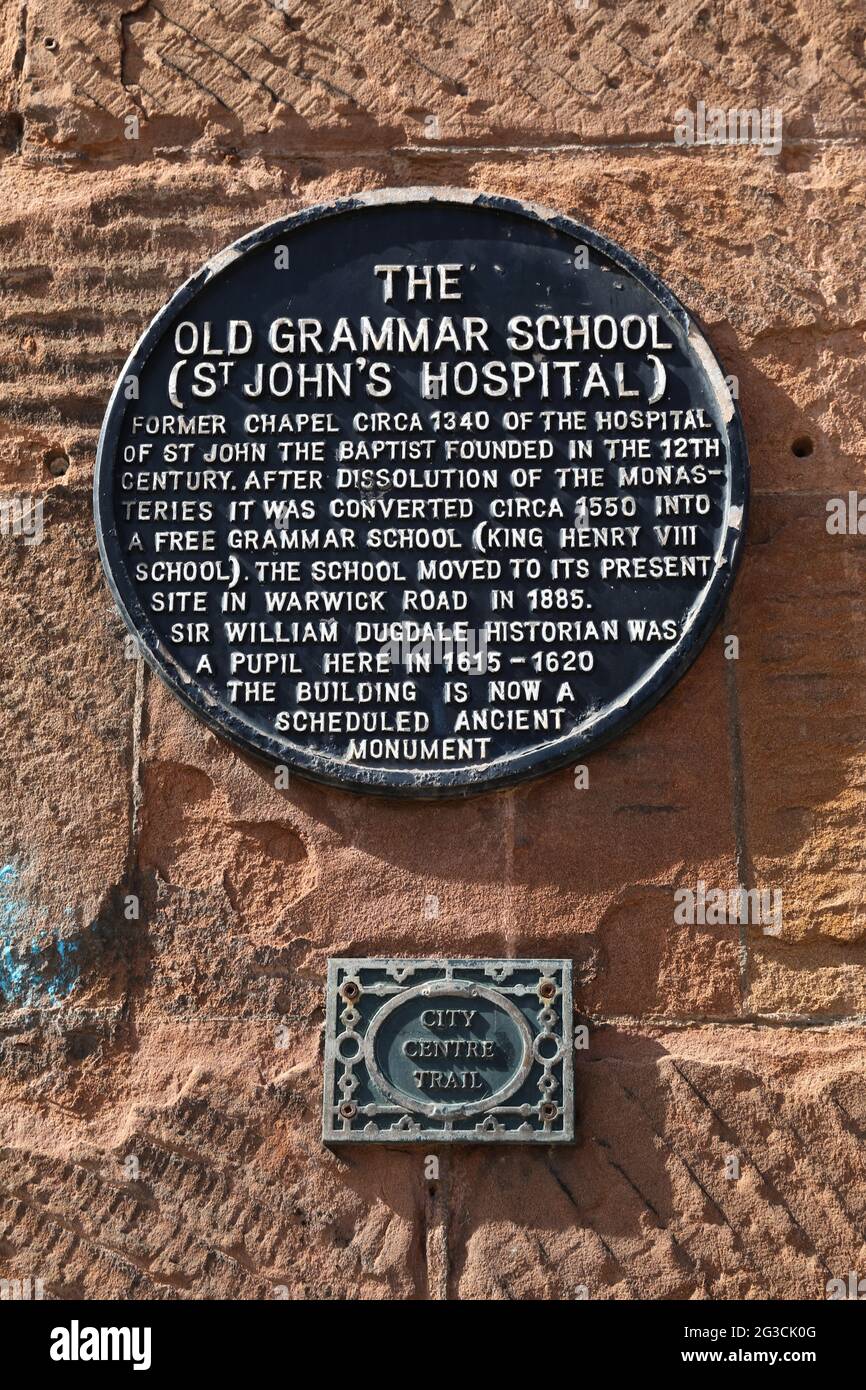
421,492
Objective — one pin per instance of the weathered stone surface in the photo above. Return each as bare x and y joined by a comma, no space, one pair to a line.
187,1038
233,1198
801,693
268,78
642,1208
818,978
201,1182
65,813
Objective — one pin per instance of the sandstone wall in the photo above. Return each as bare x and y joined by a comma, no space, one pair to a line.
158,1038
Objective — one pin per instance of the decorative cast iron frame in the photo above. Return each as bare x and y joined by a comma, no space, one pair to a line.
362,1104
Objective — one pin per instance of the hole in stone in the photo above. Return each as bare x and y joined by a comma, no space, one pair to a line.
51,45
57,464
802,446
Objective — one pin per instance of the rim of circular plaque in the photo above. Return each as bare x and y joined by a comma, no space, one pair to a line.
616,716
455,989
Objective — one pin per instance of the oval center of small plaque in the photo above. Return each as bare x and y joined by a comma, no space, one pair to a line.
433,1050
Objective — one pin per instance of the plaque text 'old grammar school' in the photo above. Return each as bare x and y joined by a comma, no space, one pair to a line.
421,492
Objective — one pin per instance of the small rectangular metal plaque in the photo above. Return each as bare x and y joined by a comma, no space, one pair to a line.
443,1051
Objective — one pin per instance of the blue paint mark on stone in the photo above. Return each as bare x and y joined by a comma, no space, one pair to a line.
37,967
